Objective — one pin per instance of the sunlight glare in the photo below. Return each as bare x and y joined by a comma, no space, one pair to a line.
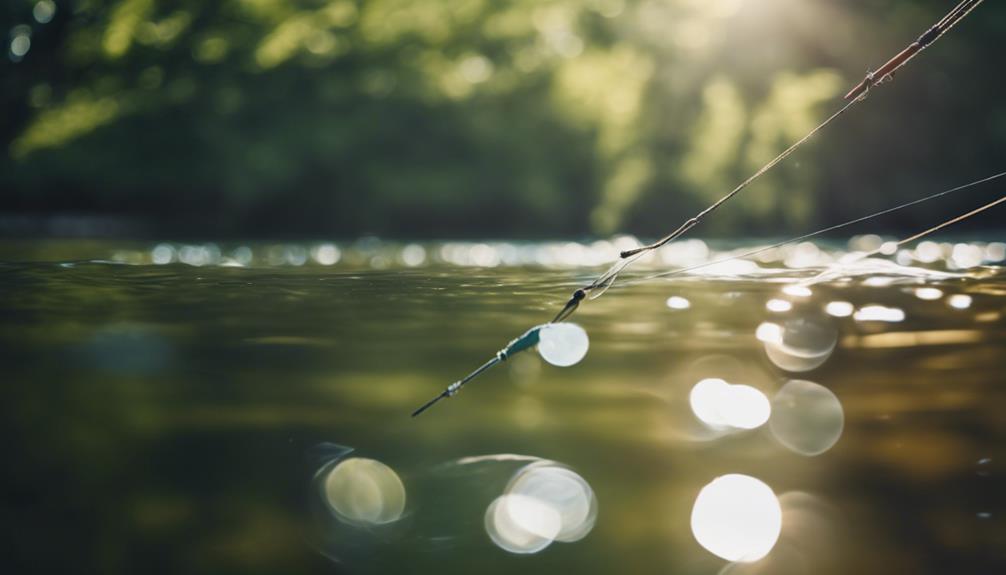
678,302
797,290
769,332
521,524
778,305
162,254
562,490
413,255
544,502
364,491
959,301
326,254
879,313
563,344
719,404
839,309
737,517
799,344
928,293
807,418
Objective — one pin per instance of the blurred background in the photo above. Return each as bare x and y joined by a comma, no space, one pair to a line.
479,118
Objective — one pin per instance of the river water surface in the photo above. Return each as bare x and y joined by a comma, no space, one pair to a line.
218,409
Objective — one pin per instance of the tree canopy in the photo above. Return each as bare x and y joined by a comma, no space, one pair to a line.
522,118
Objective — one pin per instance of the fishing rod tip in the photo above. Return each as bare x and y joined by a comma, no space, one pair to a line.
420,410
429,404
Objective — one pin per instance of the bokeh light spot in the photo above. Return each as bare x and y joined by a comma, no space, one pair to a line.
928,293
678,302
799,344
720,404
879,313
839,308
43,11
543,503
737,517
563,344
807,418
364,492
797,291
521,524
778,305
959,301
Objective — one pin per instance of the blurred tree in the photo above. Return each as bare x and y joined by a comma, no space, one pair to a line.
477,117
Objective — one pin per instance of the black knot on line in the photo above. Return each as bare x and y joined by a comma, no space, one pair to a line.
579,295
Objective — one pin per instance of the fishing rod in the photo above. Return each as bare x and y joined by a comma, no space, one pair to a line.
858,94
531,337
883,75
886,72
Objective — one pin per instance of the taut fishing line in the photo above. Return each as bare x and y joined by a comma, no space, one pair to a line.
834,227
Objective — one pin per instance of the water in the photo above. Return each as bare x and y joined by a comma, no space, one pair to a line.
173,417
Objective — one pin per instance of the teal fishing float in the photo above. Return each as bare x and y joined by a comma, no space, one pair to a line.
561,344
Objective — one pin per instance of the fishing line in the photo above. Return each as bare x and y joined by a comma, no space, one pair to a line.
832,228
692,222
950,222
820,277
602,283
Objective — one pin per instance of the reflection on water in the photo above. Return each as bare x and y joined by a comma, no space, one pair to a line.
522,524
177,405
805,543
375,253
737,517
724,405
678,302
541,504
928,293
839,308
959,301
796,290
363,491
563,344
806,417
879,313
800,343
778,305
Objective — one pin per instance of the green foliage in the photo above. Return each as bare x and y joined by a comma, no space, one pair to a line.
479,117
